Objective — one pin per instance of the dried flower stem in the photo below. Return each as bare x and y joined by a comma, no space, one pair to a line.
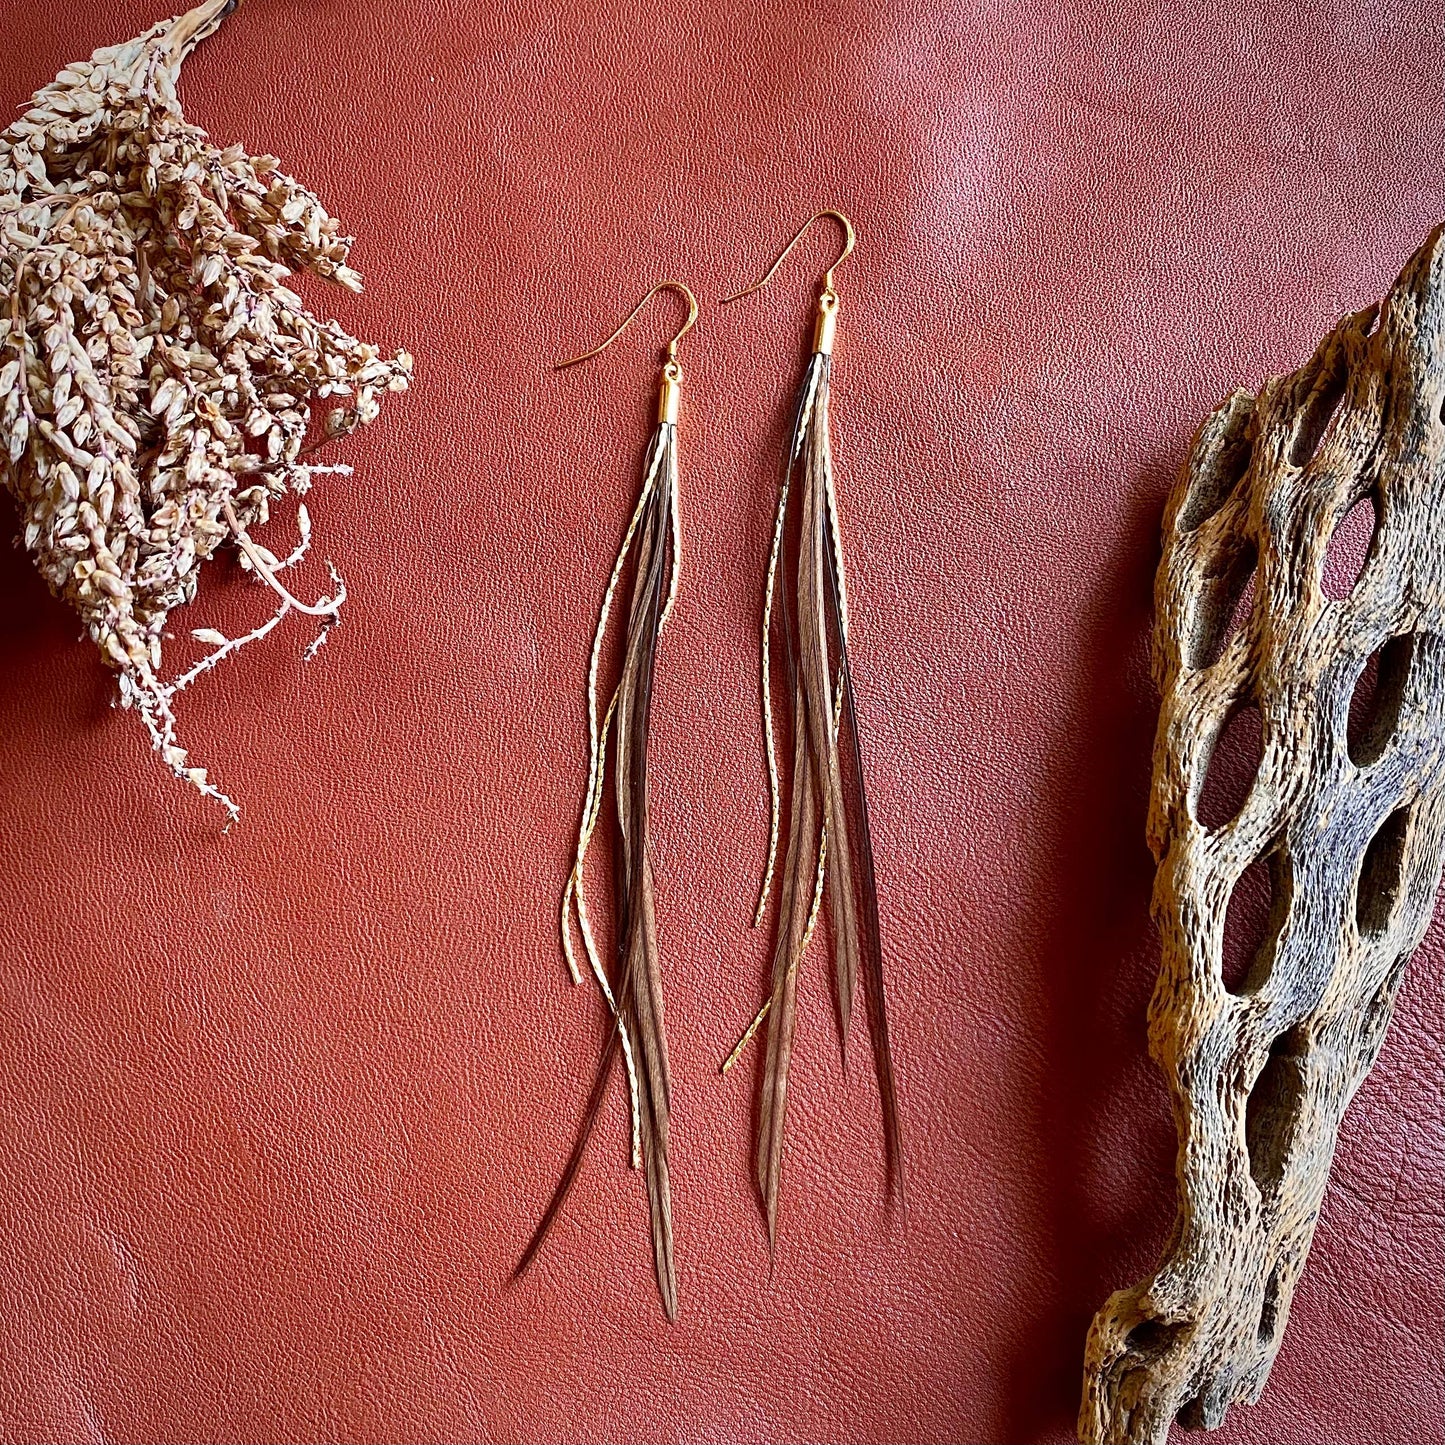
157,377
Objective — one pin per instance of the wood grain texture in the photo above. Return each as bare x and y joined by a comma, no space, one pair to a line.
1346,811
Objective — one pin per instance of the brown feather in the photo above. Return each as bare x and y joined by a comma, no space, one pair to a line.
794,903
819,622
642,970
574,1160
829,801
875,998
638,985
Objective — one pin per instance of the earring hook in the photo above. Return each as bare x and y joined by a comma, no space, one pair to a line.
849,240
671,345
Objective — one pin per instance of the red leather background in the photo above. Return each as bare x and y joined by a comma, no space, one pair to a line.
278,1109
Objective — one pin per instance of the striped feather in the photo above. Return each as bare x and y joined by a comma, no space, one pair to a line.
634,994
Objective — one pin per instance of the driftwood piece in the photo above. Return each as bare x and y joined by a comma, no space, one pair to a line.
1346,810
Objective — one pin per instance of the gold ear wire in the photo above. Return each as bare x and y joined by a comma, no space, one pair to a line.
631,315
849,240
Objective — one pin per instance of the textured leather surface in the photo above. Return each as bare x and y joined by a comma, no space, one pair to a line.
278,1109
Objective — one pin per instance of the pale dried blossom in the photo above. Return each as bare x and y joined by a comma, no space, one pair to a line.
157,376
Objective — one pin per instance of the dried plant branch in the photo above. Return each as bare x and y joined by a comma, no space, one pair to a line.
157,377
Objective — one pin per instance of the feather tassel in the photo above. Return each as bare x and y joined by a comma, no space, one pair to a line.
829,846
634,993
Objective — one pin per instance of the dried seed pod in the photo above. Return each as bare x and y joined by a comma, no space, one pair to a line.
156,374
1346,813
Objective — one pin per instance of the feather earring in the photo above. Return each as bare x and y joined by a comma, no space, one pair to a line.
829,847
633,990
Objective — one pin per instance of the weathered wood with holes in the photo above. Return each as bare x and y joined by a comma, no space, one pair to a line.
1350,819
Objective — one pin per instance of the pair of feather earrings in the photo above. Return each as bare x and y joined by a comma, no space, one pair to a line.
827,844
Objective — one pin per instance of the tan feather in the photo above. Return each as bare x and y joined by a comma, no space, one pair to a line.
828,832
635,995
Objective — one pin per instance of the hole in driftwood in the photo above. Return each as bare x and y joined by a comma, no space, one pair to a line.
1380,874
1259,904
1191,1414
1206,1411
1349,548
1269,1310
1221,607
1153,1337
1215,487
1321,405
1232,768
1375,704
1273,1110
